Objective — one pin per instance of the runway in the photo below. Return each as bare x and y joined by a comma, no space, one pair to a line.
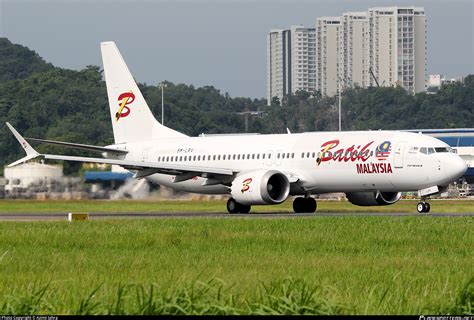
62,216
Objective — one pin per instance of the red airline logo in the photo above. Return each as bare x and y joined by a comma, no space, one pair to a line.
246,184
352,153
125,99
329,152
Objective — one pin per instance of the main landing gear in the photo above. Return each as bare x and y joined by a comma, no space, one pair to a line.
423,206
235,207
304,205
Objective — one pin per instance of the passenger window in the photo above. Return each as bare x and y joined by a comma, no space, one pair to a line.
302,154
269,156
223,157
314,154
253,156
307,155
263,156
214,157
423,150
278,156
283,156
219,157
292,156
258,156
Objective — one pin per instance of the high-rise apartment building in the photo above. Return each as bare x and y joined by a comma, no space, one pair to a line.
328,60
389,42
278,64
397,47
303,59
291,62
353,36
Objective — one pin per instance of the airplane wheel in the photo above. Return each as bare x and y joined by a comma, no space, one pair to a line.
244,208
310,205
232,206
427,207
235,207
423,207
298,205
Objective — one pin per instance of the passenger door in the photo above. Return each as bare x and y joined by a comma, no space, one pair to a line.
398,154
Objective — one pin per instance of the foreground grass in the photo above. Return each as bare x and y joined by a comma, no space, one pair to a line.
315,265
214,206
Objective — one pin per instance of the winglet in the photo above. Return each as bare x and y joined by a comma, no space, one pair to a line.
30,152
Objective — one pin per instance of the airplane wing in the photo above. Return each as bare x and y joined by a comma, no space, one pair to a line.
80,146
144,168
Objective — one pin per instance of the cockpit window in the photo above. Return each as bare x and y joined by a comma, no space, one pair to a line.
437,150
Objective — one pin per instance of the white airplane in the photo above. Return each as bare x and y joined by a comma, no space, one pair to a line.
371,167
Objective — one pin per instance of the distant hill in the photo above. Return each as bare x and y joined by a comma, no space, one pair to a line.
18,62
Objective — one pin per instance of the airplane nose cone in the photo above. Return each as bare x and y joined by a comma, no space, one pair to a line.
458,167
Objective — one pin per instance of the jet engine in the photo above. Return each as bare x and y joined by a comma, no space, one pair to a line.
373,198
260,187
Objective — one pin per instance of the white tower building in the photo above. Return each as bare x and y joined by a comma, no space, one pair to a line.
278,64
354,33
328,46
303,59
397,46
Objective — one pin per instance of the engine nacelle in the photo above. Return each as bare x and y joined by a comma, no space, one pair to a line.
373,198
260,187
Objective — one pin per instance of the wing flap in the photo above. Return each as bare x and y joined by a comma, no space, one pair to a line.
79,146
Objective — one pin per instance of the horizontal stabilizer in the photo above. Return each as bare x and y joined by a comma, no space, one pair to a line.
79,146
30,152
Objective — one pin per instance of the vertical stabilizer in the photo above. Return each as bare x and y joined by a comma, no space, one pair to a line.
132,119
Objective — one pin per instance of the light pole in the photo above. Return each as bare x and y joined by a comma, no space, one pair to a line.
339,82
162,86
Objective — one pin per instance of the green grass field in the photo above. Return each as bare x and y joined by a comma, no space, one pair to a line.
215,206
313,265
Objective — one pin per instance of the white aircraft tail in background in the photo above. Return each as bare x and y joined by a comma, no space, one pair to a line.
371,167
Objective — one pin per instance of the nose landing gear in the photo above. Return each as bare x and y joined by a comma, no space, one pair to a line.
423,206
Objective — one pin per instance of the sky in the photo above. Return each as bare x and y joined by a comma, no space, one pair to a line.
208,42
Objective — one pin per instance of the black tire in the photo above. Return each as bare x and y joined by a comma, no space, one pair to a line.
427,207
310,205
298,205
232,206
244,208
421,207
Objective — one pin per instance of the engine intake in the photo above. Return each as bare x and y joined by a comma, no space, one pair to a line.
260,187
373,198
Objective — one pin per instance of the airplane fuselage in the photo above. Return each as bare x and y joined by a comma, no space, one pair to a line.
320,161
